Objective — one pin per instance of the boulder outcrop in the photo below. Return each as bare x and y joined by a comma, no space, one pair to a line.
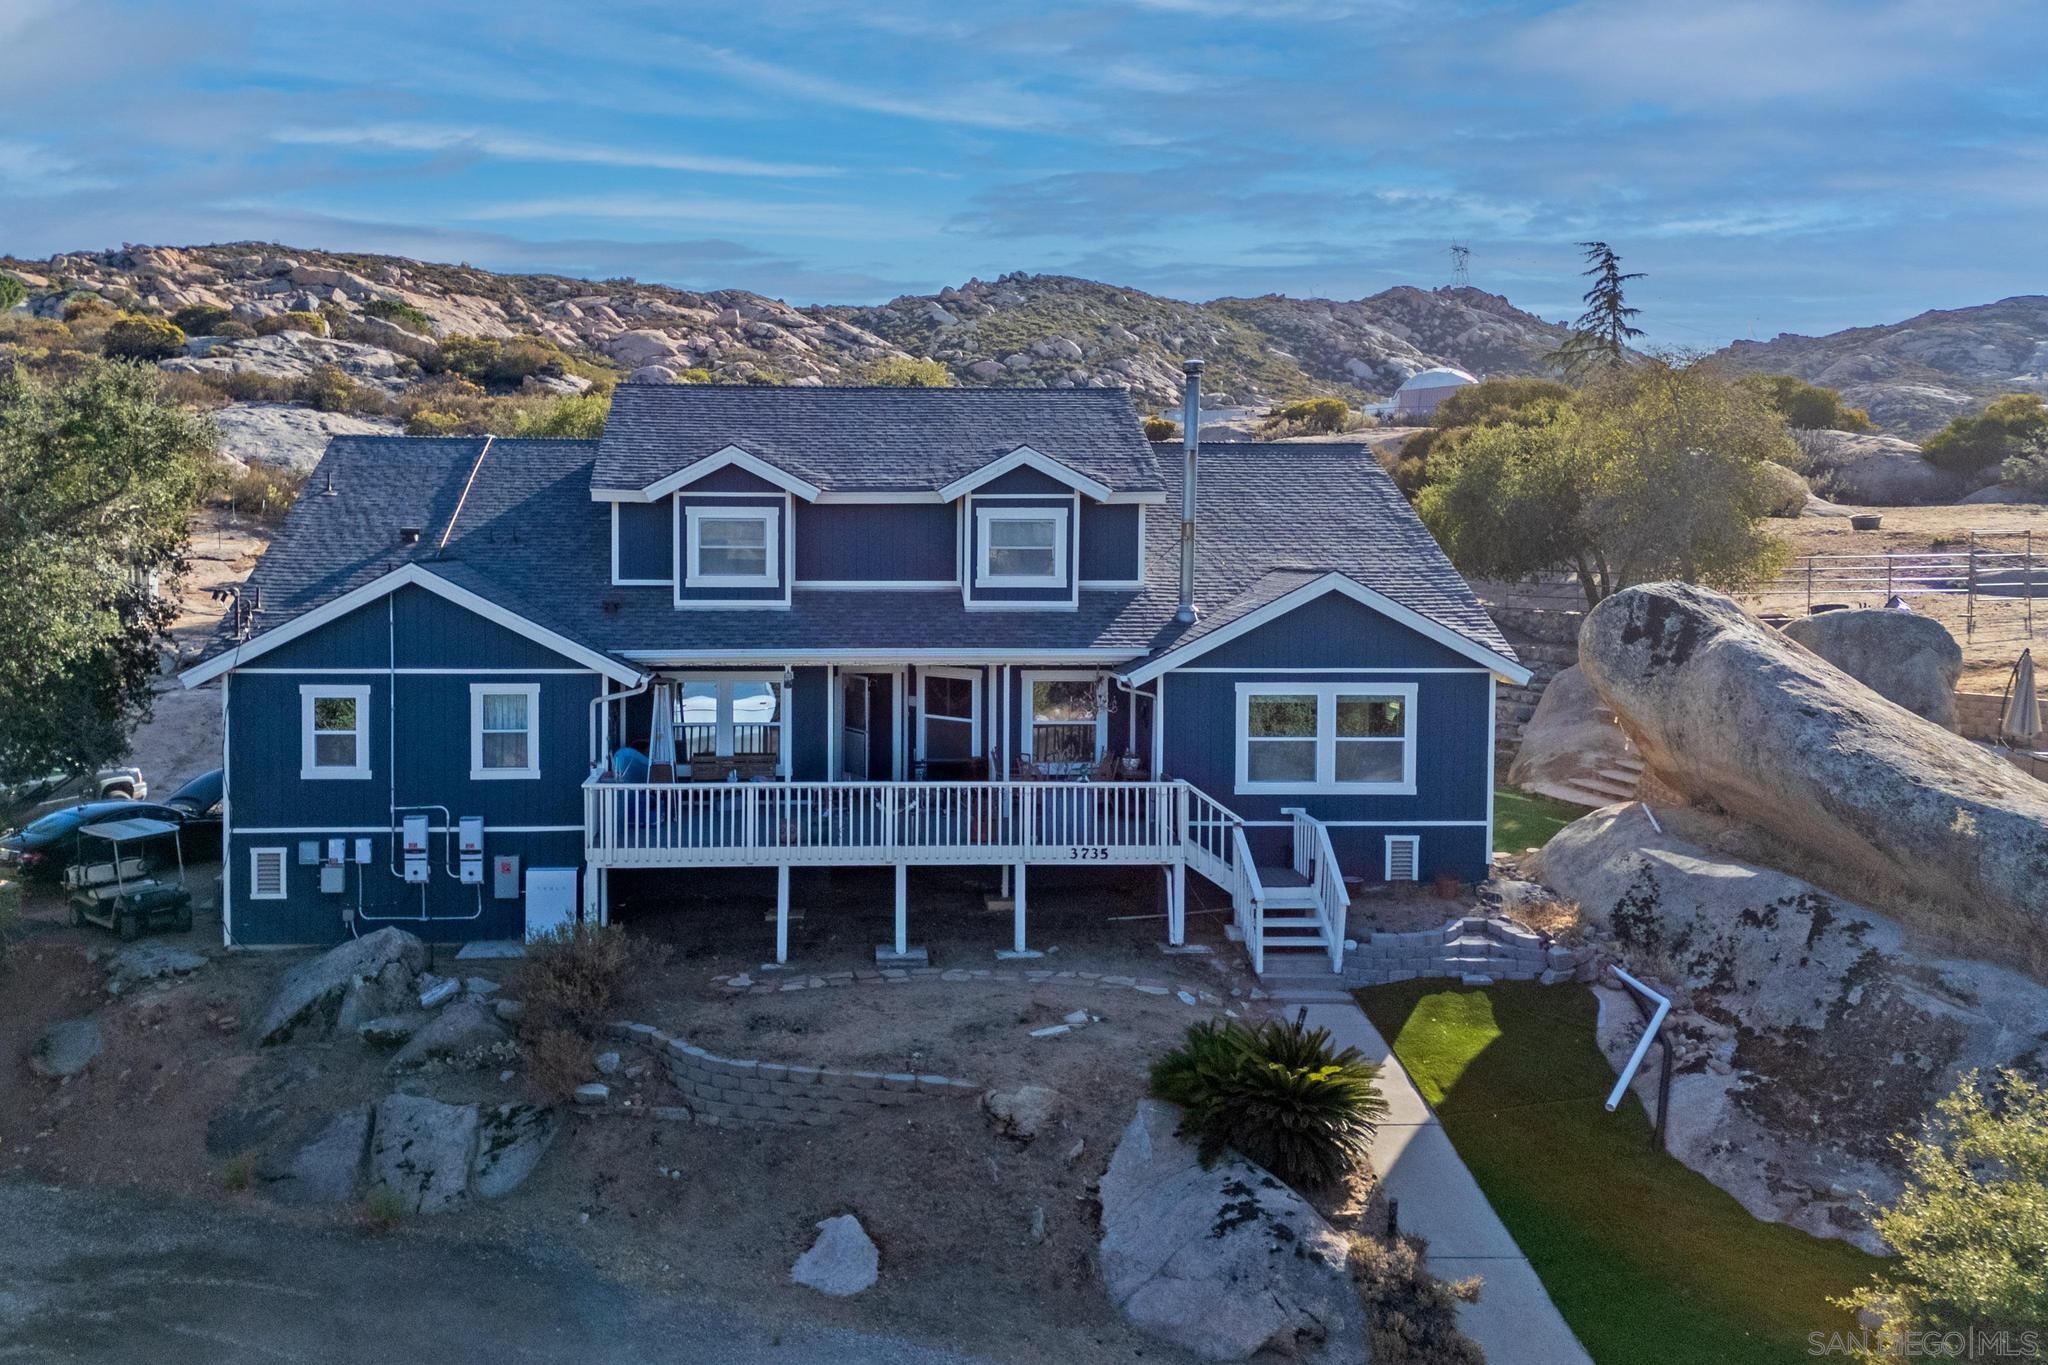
1874,471
1571,748
1225,1262
1909,659
1810,1029
1726,712
310,995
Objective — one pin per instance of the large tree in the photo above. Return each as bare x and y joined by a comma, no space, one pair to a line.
98,477
1600,338
1656,471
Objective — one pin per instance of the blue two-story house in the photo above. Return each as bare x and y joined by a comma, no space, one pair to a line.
475,680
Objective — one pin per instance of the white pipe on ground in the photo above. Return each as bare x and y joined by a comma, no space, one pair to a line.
1628,1073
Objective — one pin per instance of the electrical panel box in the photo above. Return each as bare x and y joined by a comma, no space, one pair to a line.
471,868
414,834
309,852
363,853
469,834
505,877
337,850
334,878
550,899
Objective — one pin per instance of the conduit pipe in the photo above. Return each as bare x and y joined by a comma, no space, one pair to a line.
1656,1021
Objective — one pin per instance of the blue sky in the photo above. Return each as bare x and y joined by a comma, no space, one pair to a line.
1796,165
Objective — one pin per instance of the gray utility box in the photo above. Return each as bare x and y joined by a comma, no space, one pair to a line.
505,877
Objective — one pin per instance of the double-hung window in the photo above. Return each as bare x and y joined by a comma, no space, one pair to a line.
1326,737
334,729
504,735
1020,547
733,547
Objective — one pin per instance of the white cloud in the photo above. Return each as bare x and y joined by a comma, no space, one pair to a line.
980,106
418,137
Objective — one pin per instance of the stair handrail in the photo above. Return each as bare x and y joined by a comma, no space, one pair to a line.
1316,858
1248,896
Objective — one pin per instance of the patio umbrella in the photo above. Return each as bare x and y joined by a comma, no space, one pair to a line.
661,736
2021,721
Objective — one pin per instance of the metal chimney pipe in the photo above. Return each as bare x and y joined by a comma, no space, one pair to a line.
1191,448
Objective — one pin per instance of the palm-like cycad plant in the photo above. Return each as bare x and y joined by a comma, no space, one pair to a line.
1279,1093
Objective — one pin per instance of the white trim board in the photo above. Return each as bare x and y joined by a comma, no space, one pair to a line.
669,658
477,692
1024,457
1501,666
274,830
407,575
1144,498
310,696
985,519
732,457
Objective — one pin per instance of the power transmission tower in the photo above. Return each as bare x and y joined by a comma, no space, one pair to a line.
1461,264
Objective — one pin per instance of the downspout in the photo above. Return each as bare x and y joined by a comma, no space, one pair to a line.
602,698
1190,447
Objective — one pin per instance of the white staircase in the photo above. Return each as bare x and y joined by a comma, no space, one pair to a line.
1296,910
1620,780
1293,920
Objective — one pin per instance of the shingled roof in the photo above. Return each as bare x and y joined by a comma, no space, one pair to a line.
1272,518
870,440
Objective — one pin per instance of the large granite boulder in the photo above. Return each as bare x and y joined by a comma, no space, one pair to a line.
1813,1029
326,1167
465,1035
1874,471
288,436
1725,711
1225,1262
1909,659
510,1141
421,1150
310,995
1571,748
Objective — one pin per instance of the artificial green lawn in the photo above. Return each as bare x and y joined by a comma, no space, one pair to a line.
1647,1261
1525,820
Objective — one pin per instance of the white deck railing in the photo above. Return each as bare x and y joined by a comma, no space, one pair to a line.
1217,848
765,824
1316,860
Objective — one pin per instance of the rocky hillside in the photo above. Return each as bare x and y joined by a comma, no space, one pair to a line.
1913,376
1019,329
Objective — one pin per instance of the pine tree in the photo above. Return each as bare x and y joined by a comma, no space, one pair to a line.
1601,336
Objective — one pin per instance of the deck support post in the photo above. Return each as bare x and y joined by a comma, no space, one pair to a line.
1005,892
1017,916
782,912
902,909
604,895
1177,903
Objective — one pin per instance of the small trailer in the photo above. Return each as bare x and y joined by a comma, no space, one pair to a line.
121,891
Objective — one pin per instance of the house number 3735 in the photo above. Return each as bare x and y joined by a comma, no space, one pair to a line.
1088,855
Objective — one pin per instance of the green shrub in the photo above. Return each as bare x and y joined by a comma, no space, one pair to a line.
87,306
12,292
294,321
2028,471
200,319
1317,414
574,417
2006,428
1971,1226
263,491
1279,1093
134,337
1809,407
429,422
239,331
492,360
1411,1316
400,313
909,372
1159,428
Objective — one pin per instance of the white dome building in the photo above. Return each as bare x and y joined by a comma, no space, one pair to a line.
1419,394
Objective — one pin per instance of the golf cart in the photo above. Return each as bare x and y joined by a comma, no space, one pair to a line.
118,890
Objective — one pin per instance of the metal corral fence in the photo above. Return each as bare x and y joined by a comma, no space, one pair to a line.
1984,588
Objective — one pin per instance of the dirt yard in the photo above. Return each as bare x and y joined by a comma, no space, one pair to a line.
987,1242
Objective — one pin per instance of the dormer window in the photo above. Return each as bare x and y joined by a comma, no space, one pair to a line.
734,547
1021,547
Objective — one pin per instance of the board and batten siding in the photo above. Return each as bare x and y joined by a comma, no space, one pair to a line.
876,543
272,806
1333,639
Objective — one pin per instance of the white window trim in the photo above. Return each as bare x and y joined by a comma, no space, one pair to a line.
284,863
973,676
1026,713
985,516
771,521
360,769
477,692
1326,695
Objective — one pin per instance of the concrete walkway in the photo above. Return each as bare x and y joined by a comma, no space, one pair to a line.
1514,1321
